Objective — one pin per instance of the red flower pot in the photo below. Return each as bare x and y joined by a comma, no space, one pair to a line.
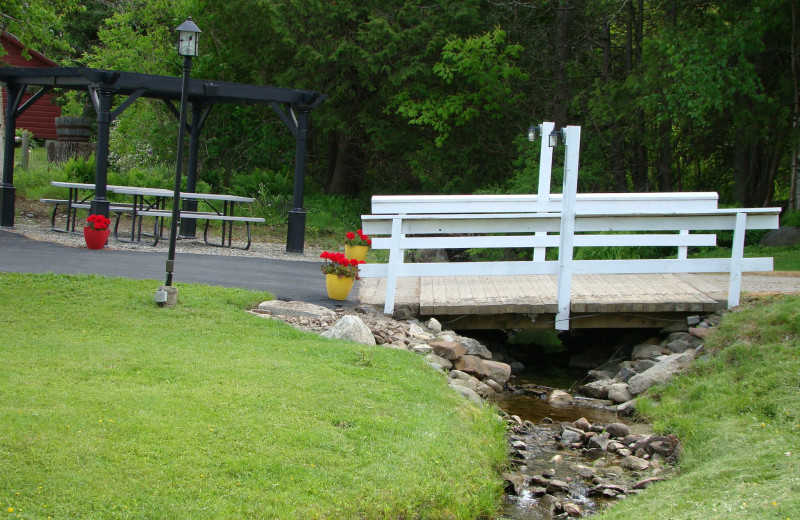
95,238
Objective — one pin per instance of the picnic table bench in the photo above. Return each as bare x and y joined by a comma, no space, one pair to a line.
151,202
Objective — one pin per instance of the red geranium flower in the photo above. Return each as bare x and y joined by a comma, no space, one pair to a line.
357,239
98,222
337,264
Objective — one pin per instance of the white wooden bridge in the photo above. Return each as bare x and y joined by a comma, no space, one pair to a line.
537,292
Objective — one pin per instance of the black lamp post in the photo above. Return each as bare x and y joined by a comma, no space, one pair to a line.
187,47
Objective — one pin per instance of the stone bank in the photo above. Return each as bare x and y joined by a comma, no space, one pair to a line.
470,366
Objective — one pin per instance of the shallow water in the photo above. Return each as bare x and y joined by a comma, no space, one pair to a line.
542,455
534,409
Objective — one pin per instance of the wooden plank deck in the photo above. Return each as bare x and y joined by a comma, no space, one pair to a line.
618,298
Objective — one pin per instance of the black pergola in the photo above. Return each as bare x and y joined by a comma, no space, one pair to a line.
293,106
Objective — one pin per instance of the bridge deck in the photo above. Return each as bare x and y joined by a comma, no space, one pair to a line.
597,300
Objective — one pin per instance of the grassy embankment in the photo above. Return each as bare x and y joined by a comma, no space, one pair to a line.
115,408
737,413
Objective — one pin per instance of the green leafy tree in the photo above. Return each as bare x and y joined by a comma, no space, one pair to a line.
360,54
479,82
38,23
139,36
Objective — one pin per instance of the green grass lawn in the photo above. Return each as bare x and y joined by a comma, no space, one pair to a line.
115,408
785,258
737,413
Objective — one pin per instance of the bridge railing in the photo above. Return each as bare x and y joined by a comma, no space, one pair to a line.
565,221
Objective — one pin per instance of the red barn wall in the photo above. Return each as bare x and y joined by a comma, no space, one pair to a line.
39,118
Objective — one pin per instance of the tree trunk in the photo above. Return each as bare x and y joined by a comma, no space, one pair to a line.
794,196
560,76
638,164
755,168
618,161
345,171
665,157
337,165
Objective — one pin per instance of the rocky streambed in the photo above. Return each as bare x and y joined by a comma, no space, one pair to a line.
560,464
575,468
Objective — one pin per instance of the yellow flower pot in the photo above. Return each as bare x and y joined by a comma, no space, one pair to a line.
338,286
357,252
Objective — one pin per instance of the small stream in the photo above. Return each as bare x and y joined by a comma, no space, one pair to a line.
542,462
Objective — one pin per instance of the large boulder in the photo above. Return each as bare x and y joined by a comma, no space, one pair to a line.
596,389
646,351
351,328
619,393
634,463
784,236
557,397
448,349
475,348
499,372
659,373
678,346
294,308
618,430
472,365
476,386
442,362
467,393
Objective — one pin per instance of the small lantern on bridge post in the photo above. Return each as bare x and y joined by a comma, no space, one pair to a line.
533,132
554,136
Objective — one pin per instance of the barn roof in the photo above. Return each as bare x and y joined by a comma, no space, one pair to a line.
9,39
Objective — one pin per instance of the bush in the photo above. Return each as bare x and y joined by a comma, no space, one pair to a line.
78,169
791,218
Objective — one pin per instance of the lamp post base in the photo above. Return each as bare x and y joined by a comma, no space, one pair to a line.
167,296
7,198
100,207
297,231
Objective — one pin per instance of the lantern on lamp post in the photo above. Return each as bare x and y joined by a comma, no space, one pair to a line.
188,34
533,132
554,136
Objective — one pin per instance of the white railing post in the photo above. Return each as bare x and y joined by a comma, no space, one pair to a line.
545,173
395,258
569,194
737,254
545,163
683,251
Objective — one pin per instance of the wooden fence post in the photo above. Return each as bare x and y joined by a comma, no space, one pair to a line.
26,150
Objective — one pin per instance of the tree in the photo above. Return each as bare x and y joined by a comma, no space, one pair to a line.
139,36
477,76
358,53
38,22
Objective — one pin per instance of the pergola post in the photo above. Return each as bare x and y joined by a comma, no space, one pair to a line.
7,190
297,215
100,205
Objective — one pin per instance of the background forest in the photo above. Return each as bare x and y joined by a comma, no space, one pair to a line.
435,96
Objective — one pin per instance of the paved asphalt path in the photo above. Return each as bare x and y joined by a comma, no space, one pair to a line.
286,279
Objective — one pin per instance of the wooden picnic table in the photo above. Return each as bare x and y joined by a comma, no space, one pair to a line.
151,202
